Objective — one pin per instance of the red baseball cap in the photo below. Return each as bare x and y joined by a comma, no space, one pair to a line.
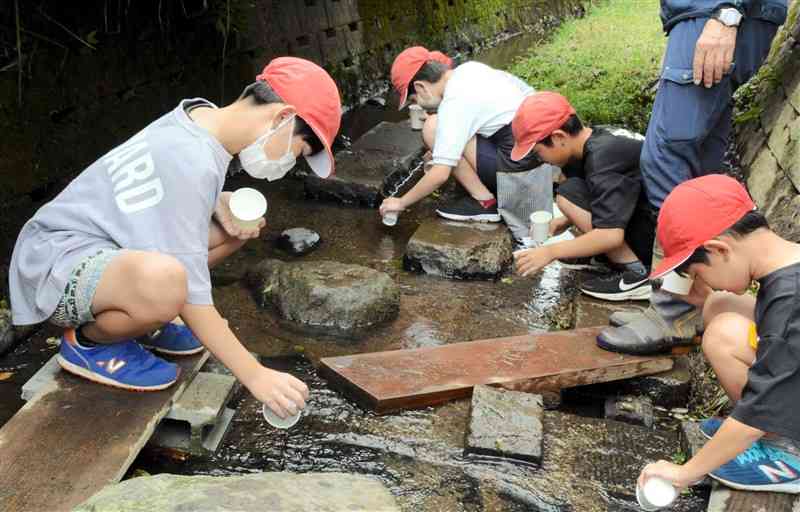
695,212
539,115
313,93
408,63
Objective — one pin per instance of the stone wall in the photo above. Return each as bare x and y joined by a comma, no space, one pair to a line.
768,131
88,77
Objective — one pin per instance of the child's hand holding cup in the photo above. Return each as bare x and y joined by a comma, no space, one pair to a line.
248,206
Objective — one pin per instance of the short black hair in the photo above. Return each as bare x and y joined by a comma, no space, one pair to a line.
261,93
432,71
572,126
750,222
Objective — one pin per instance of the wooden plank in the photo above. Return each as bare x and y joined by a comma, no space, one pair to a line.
724,499
402,379
75,437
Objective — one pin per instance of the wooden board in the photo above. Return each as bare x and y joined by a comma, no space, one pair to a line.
75,437
402,379
729,500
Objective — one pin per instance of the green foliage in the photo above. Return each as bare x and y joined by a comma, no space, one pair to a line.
606,63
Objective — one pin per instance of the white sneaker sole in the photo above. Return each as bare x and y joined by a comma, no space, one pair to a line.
790,488
639,293
86,374
484,217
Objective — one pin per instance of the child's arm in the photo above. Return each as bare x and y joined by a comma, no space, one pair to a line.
732,438
433,179
283,393
596,241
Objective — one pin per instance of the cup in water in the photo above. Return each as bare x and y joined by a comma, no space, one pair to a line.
278,422
248,206
656,494
390,218
417,116
540,226
676,283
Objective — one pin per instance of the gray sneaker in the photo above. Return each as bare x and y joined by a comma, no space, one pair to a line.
650,334
619,318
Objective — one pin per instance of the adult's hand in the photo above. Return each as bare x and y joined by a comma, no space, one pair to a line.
713,53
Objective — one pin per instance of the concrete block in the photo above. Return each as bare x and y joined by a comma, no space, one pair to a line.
178,436
40,379
505,424
312,16
333,44
203,400
341,12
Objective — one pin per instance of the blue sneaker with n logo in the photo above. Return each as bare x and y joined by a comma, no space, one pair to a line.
175,340
125,365
762,467
710,426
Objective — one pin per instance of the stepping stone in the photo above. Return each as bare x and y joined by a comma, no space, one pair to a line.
274,492
381,157
326,296
505,424
459,250
724,499
40,379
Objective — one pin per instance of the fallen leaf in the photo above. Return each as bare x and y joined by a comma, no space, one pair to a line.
6,375
506,280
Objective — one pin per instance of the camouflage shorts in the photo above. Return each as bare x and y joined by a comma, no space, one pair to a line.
75,307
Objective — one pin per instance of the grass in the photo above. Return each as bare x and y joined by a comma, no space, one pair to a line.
606,63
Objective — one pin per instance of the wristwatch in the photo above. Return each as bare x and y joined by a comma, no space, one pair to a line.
728,16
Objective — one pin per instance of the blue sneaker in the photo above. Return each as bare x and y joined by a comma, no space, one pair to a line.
174,339
710,426
762,467
125,365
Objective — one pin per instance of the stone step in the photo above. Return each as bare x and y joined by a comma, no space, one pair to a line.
505,424
380,159
459,250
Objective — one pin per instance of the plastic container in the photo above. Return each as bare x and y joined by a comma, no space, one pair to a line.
417,116
656,494
390,219
278,422
248,206
540,226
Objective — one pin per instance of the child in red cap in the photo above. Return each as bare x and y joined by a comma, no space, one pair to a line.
602,196
126,248
711,232
470,134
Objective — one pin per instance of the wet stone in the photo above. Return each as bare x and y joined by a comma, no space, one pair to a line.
505,424
326,296
459,250
298,241
378,157
276,492
7,331
630,409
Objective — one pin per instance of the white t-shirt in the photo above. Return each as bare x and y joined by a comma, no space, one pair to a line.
477,99
156,192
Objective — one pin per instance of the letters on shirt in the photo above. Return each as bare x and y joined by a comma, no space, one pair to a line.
131,168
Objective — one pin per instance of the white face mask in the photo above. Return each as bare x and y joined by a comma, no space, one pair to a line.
255,162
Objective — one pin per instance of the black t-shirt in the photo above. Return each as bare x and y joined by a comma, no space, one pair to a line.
770,397
610,167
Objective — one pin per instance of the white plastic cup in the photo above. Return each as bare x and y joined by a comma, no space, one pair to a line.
677,284
248,206
656,494
540,226
417,116
278,422
390,219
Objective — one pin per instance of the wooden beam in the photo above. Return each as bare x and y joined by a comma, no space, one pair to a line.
75,437
403,379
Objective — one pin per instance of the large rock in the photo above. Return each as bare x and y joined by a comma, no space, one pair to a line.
273,492
459,250
506,424
379,159
326,296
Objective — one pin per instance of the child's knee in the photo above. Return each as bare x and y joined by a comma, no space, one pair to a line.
164,285
724,333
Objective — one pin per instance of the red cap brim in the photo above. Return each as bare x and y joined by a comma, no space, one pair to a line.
518,152
667,265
